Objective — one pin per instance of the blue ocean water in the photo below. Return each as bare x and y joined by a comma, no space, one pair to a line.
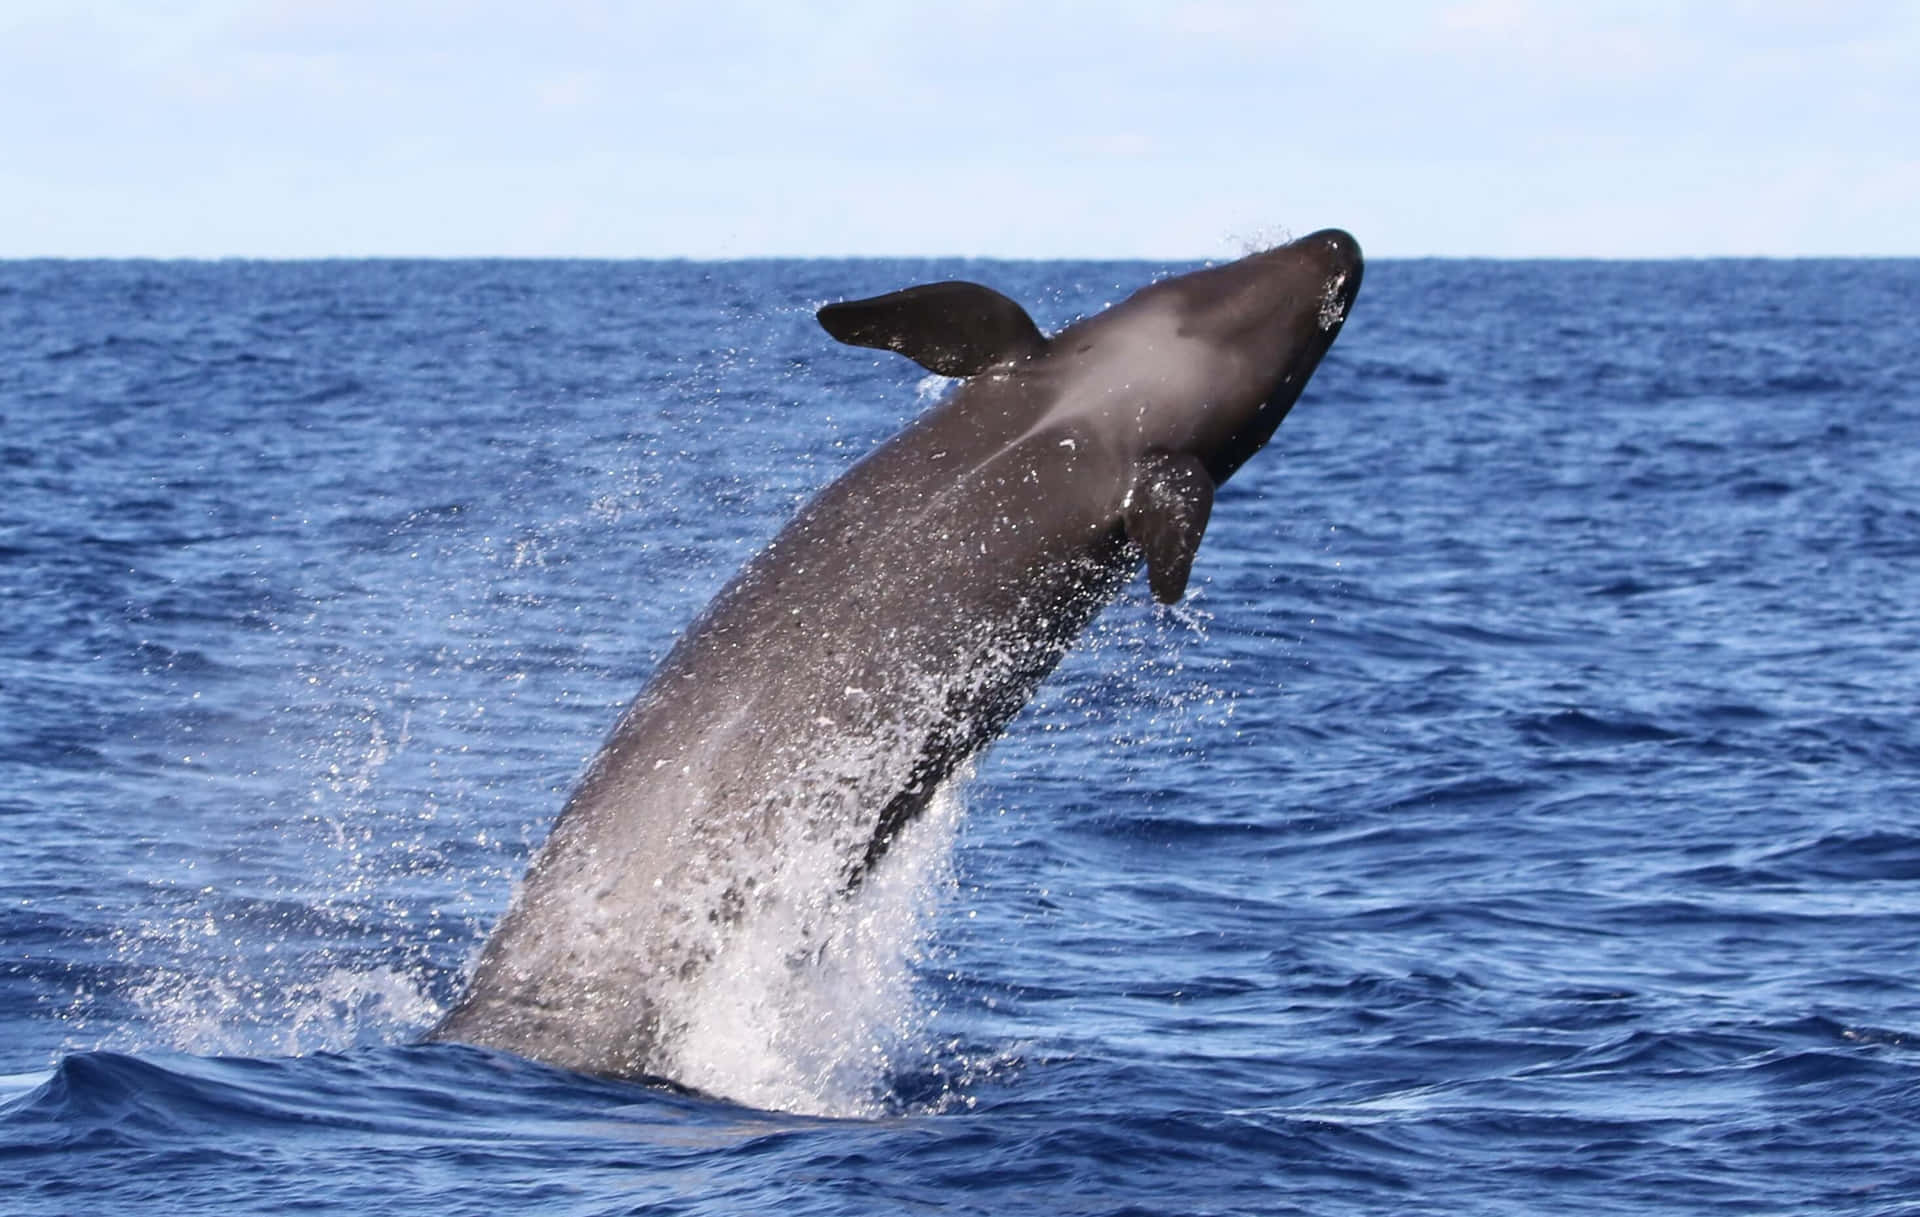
1520,814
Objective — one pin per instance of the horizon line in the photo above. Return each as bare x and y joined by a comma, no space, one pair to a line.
938,257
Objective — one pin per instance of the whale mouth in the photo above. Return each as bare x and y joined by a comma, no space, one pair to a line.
1340,254
1334,302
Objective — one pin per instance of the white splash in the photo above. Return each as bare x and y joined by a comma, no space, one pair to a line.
231,1012
931,388
775,1023
1333,310
1259,239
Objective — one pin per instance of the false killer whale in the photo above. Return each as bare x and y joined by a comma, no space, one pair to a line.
893,628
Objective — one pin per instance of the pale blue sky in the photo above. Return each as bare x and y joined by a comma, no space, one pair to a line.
735,128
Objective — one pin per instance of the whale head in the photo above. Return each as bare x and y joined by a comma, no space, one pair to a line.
1236,344
1204,364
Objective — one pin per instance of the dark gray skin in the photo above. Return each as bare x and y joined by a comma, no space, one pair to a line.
893,628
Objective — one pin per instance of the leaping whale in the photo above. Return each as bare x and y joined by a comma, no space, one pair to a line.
892,629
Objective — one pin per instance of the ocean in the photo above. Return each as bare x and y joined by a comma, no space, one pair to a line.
1520,814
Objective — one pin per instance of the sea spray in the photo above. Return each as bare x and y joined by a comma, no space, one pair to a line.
818,1031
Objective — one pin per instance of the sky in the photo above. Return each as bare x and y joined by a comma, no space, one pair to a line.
1036,128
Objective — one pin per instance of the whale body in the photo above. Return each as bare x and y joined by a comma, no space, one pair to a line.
890,630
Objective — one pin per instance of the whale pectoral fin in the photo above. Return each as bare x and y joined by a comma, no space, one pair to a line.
1165,516
953,328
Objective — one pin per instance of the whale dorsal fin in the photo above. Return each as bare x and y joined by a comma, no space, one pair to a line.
953,328
1165,515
